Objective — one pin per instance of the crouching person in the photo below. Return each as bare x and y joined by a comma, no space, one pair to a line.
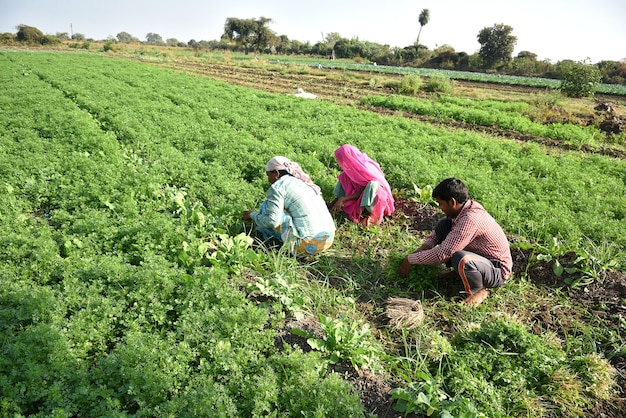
467,239
294,212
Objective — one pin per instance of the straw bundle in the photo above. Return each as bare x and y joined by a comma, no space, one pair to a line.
404,313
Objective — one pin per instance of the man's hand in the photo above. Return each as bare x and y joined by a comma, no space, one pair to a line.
246,216
404,269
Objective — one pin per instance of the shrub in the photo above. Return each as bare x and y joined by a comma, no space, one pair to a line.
580,80
410,85
109,46
438,83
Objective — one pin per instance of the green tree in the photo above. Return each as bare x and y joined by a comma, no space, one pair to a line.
497,44
193,44
613,72
49,40
29,34
241,31
282,44
423,18
526,64
264,36
249,33
332,38
78,37
126,38
527,55
154,39
299,48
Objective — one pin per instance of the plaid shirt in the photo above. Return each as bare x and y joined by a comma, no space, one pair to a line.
474,230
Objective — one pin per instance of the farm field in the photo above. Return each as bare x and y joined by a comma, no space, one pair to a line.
131,287
545,116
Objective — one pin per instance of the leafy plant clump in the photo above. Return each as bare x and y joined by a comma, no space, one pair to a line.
496,363
345,339
410,85
438,83
581,80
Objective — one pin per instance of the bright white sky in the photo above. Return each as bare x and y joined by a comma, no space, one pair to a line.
552,29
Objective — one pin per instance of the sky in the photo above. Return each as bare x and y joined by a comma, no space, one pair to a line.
579,30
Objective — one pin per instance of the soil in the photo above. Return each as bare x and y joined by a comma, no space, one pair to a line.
603,302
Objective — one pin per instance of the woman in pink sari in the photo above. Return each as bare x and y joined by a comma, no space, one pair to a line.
362,190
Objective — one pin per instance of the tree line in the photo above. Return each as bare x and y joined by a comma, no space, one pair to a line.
254,35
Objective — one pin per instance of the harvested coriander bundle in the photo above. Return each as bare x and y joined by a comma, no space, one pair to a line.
404,313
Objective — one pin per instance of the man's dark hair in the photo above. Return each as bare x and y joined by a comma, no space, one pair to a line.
451,188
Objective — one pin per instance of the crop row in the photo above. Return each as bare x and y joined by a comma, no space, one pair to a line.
488,113
213,139
102,313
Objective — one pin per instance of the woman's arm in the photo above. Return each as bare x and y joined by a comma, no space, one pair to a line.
340,201
274,207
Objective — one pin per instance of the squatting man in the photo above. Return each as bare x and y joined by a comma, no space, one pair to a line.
467,239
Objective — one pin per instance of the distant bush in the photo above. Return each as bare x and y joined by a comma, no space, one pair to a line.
410,85
29,34
83,45
50,40
438,83
580,80
110,46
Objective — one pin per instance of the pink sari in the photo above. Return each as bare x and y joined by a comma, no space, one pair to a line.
358,171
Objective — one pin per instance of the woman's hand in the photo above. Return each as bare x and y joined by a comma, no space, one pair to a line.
337,205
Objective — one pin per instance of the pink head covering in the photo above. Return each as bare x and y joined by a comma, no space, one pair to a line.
358,171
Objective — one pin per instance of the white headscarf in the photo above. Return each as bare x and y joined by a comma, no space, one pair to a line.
283,163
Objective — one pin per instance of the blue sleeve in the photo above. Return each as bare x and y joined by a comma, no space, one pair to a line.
274,206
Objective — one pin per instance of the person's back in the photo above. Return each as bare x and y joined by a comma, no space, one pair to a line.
307,208
362,190
489,240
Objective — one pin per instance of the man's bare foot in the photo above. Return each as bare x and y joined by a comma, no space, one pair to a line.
477,298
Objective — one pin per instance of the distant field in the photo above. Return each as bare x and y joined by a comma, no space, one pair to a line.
616,89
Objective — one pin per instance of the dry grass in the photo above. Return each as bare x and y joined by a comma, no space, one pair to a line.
404,313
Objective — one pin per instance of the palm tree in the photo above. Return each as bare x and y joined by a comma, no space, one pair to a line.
423,19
